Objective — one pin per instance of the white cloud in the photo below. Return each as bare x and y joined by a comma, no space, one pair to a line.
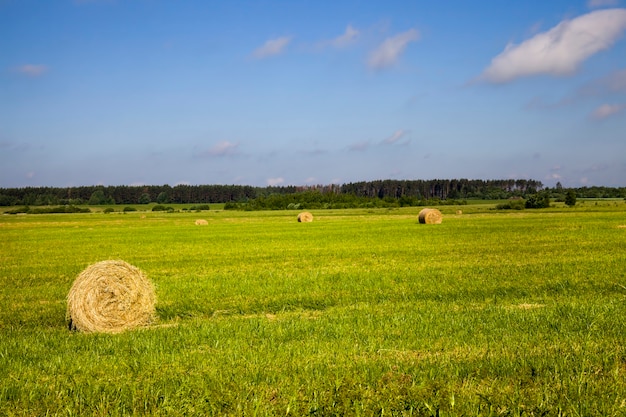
272,47
561,50
224,148
592,4
555,173
555,176
32,70
397,135
359,146
272,182
607,110
389,51
348,37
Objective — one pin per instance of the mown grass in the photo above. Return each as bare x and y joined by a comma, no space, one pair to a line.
362,312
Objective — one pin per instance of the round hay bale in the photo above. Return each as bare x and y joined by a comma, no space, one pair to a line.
459,212
305,217
201,222
430,216
110,297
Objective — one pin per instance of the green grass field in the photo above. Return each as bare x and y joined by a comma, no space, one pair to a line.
362,312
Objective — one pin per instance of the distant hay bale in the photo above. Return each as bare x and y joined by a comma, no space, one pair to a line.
305,217
430,216
110,297
201,222
459,212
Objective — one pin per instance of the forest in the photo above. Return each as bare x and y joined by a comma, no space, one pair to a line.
400,192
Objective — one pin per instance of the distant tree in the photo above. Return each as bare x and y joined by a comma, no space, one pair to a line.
540,200
145,199
160,207
200,207
97,198
163,198
570,198
519,204
6,200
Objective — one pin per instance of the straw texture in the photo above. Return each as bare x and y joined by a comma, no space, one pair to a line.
110,297
430,216
305,217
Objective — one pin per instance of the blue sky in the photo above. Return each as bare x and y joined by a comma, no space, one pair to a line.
129,92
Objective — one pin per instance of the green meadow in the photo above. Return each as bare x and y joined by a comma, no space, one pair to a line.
361,312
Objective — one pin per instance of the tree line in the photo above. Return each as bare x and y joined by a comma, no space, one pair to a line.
124,194
376,193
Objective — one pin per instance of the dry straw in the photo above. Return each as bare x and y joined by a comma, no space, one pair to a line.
110,297
305,217
430,216
201,222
